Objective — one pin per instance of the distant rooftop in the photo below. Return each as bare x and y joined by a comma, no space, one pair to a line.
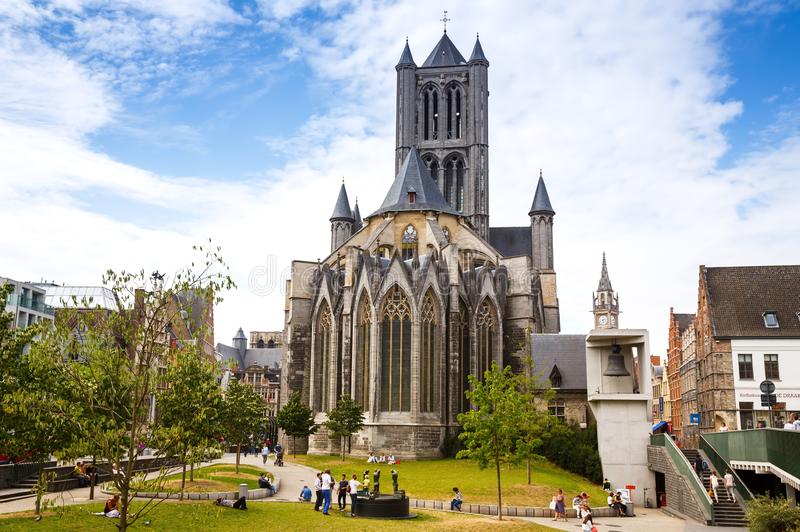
79,296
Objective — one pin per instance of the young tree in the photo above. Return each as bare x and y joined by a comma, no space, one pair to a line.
540,424
101,368
296,419
496,423
344,420
190,406
243,414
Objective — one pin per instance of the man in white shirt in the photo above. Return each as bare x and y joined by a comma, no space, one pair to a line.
327,482
318,492
792,423
714,481
729,485
355,485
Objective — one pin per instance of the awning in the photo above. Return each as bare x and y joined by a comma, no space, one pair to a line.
659,426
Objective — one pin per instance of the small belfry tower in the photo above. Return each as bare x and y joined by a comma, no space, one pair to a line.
342,220
605,302
442,110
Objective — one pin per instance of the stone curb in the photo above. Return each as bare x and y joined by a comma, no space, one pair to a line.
511,511
252,495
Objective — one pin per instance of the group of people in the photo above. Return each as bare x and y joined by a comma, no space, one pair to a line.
618,503
580,503
325,484
83,472
263,482
727,481
382,459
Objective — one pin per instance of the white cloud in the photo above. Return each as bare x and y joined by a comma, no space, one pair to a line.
622,105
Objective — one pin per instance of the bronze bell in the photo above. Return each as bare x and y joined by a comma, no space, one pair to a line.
616,363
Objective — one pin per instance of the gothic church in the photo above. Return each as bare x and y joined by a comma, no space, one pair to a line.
422,292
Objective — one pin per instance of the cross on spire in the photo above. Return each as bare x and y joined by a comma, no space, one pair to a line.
445,20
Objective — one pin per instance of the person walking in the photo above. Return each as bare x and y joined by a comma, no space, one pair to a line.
354,485
327,484
318,492
714,481
342,493
264,454
560,510
729,485
458,499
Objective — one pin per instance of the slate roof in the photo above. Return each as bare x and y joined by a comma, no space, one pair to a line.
405,58
541,200
356,218
567,351
605,282
342,209
444,54
684,321
266,357
511,241
414,176
477,52
738,296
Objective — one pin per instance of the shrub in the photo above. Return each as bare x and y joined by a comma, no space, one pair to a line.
765,514
575,449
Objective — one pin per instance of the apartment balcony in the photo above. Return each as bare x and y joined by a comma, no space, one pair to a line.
30,304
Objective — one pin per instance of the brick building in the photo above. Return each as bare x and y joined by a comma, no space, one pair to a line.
678,323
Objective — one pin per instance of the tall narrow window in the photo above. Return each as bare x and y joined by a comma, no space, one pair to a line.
433,167
448,181
459,185
323,359
362,362
771,370
396,352
485,328
555,378
409,242
458,114
464,352
427,359
435,124
426,107
746,367
450,114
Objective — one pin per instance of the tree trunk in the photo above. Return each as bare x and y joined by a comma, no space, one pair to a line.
341,442
499,493
123,511
238,451
191,473
183,481
529,471
294,447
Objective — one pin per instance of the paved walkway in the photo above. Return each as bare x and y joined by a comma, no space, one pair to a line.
646,520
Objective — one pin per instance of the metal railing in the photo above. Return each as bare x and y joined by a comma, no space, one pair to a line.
685,468
721,466
774,446
30,303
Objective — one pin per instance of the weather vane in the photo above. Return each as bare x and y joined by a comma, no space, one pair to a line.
445,20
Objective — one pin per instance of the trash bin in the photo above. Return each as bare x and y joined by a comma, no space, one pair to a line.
629,509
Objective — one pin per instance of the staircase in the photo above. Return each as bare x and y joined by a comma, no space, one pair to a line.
726,512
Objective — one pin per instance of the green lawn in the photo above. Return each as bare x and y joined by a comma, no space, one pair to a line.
219,477
435,479
287,516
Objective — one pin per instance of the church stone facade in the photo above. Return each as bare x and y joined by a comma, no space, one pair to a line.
422,292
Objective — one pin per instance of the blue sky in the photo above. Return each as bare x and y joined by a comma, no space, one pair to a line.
669,135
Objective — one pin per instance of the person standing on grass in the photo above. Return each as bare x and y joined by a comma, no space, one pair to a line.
327,484
458,499
342,493
353,486
318,492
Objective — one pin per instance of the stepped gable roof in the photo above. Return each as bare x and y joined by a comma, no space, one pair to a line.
444,54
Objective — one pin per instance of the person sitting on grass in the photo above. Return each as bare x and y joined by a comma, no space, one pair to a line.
238,504
111,509
305,494
458,498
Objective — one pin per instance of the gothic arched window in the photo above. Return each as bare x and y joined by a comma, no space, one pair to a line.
271,343
260,343
454,113
463,355
459,185
433,167
409,242
427,355
448,181
430,106
323,358
485,328
363,353
396,352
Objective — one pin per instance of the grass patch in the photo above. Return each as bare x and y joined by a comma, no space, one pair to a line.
218,477
435,479
193,516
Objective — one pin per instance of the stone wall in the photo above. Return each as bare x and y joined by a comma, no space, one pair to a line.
403,441
680,495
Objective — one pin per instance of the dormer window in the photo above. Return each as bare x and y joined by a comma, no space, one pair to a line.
555,378
412,196
771,319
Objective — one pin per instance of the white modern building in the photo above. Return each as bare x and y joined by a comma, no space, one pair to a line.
28,304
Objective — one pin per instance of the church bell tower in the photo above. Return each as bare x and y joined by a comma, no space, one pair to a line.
605,302
442,110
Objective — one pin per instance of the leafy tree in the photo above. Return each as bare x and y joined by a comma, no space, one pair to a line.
243,414
344,420
497,422
190,405
540,425
765,514
296,419
98,369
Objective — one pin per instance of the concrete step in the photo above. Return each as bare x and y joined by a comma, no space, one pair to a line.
14,494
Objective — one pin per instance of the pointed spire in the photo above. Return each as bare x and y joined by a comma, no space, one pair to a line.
477,52
605,282
342,209
541,201
444,54
415,177
406,59
240,335
357,224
